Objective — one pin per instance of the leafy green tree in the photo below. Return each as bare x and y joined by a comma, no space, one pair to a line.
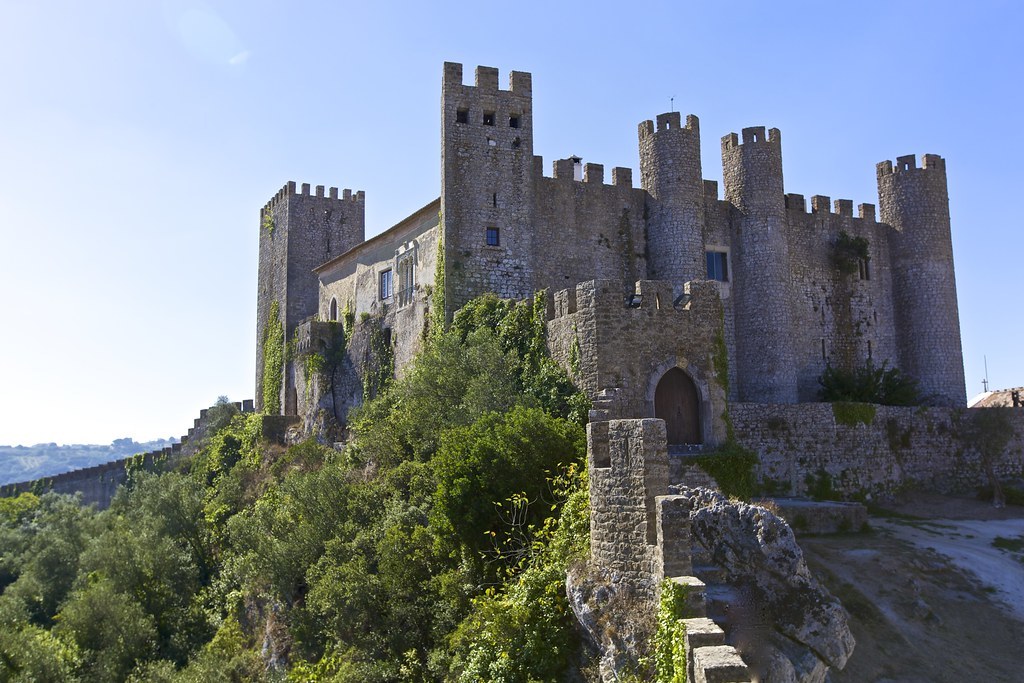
502,459
110,630
30,654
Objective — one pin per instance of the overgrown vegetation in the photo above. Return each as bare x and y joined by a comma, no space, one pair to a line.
848,251
869,384
732,466
853,414
273,360
433,548
668,651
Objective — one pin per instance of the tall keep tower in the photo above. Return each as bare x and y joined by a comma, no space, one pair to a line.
670,172
487,185
915,202
752,173
299,230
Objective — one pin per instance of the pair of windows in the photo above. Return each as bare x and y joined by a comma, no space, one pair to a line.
489,118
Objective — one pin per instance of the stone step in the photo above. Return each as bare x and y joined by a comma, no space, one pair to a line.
700,632
719,664
696,595
708,573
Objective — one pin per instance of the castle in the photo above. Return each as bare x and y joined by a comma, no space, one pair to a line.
799,290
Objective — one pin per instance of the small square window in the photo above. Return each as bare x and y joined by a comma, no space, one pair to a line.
513,121
386,284
462,116
493,237
718,266
488,118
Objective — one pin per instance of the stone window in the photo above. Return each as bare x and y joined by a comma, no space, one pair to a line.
462,116
718,265
488,118
334,310
386,284
493,237
513,121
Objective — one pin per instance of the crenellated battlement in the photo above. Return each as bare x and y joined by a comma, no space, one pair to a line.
291,189
486,79
820,204
668,122
908,162
648,296
573,169
751,136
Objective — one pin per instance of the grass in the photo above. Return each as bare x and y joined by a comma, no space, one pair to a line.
1014,545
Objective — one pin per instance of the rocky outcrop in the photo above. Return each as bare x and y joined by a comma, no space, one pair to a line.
784,621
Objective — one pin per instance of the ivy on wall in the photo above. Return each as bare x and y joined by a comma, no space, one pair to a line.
273,361
848,251
437,297
379,368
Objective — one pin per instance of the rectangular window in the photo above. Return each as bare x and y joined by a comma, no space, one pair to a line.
493,237
718,266
462,116
488,118
386,284
513,121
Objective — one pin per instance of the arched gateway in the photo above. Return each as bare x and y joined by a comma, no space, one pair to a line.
677,403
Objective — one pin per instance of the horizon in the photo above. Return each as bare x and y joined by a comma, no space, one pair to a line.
143,140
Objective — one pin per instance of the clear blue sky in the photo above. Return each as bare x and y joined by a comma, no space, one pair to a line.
139,139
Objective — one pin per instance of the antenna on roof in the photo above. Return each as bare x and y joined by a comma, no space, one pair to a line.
984,382
672,103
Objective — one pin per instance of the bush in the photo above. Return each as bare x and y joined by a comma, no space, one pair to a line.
869,384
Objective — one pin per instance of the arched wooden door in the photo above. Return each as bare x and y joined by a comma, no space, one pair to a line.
676,402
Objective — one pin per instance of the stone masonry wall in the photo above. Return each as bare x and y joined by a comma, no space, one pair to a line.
899,448
628,467
299,230
618,348
98,484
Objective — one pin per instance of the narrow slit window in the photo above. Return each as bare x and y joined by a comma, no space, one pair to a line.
823,356
493,237
462,116
864,265
334,310
488,118
494,199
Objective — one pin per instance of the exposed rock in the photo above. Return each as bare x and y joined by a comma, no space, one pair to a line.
757,551
616,618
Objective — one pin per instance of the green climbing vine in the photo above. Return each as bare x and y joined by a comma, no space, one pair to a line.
437,297
668,650
379,369
848,251
273,361
268,221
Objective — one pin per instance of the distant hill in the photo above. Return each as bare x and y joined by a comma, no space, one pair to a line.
23,463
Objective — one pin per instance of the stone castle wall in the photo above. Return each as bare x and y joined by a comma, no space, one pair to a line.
299,230
98,484
617,348
898,449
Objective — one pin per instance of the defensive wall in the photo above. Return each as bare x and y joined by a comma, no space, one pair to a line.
98,484
875,450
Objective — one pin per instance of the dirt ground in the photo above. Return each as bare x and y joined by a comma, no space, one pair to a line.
935,591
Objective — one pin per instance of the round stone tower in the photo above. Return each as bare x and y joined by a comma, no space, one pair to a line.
670,172
914,201
752,172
